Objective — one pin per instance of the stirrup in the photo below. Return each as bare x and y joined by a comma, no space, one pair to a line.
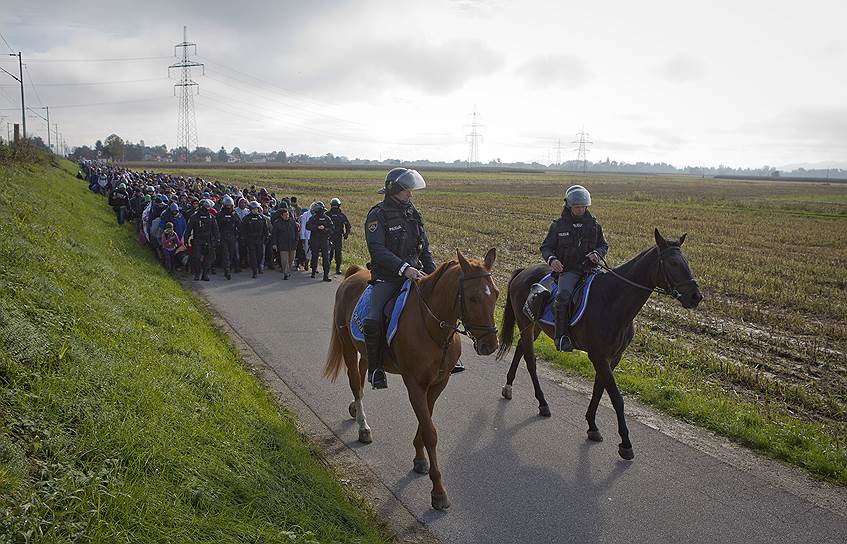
377,378
564,343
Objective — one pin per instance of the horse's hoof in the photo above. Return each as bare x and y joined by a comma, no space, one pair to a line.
352,409
595,436
626,453
365,436
544,411
421,466
440,502
507,392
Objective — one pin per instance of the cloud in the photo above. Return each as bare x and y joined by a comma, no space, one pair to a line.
681,69
560,70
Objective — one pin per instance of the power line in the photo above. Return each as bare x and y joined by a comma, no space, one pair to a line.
7,44
96,83
94,104
32,84
186,121
124,59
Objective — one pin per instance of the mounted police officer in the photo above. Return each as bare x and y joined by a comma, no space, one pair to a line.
206,237
341,232
573,246
321,228
399,249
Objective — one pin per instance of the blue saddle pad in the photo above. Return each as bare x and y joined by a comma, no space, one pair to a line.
360,312
581,299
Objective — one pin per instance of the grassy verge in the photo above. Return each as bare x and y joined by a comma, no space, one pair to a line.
125,415
671,382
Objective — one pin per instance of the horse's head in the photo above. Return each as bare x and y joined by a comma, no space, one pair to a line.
477,299
674,273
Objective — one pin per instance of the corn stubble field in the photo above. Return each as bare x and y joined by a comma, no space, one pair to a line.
770,257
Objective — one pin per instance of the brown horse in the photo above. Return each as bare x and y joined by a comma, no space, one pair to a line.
425,348
605,329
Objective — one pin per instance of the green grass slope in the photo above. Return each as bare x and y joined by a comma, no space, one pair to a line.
124,415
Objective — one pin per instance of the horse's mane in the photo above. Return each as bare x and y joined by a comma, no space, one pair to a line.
626,268
428,284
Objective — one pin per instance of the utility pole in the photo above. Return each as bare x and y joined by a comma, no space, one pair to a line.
582,150
186,122
50,147
21,81
473,138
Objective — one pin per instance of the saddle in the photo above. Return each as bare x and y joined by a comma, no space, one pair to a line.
539,303
392,312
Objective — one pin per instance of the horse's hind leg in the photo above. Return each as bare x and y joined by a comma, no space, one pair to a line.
529,357
513,369
356,378
590,416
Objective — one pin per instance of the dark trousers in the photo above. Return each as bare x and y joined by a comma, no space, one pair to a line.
381,293
120,213
202,251
254,254
228,254
321,247
335,251
566,284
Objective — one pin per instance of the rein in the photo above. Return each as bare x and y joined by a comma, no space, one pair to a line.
671,290
443,324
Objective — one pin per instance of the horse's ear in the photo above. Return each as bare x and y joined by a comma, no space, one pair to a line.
489,258
660,241
466,267
682,238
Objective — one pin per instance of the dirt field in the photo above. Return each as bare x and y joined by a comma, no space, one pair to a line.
770,257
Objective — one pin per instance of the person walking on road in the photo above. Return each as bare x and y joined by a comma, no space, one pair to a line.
284,240
206,236
321,228
228,225
341,232
255,231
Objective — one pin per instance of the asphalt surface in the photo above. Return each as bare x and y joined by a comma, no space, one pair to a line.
511,475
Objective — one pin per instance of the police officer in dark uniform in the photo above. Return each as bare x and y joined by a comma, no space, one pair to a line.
119,201
573,245
228,224
399,249
341,232
206,237
321,228
255,231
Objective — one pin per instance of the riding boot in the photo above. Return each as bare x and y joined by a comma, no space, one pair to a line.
373,346
562,333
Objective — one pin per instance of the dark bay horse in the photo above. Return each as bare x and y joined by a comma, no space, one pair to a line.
425,348
605,329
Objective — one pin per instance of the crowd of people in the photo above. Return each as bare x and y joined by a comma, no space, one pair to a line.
200,226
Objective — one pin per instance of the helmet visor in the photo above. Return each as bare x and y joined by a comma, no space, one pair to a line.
409,180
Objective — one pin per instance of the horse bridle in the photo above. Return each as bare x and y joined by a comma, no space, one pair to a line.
460,300
672,288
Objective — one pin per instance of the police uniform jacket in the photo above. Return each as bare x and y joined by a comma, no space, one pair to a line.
396,240
254,228
570,239
342,225
314,224
228,223
204,228
118,198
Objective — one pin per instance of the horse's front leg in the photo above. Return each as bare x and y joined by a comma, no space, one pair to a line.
604,372
419,398
356,376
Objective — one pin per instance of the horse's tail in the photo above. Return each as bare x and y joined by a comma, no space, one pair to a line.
335,353
507,327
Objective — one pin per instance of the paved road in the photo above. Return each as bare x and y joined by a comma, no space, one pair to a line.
511,475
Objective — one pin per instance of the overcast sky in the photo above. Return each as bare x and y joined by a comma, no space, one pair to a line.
743,83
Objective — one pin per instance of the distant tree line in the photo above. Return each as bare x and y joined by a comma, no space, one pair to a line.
116,149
